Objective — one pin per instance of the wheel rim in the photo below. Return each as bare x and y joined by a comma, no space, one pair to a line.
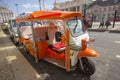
85,68
14,40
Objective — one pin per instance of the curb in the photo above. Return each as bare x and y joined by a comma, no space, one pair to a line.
97,30
114,31
21,68
103,30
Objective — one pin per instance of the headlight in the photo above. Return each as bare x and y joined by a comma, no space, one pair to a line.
91,39
16,35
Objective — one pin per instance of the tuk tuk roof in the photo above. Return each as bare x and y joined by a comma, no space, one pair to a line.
49,15
45,15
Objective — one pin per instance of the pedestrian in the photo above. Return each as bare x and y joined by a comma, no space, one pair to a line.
101,24
107,24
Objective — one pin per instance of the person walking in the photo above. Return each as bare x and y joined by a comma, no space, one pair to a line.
107,24
101,24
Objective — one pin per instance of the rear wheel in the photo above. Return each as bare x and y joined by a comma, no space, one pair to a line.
24,48
86,66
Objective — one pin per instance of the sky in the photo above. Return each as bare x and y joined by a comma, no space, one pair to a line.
28,5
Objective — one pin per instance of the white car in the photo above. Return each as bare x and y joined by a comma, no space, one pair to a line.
4,26
13,30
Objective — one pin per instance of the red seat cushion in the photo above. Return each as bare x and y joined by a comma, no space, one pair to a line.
58,46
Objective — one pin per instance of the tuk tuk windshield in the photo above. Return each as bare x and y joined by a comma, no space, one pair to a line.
14,23
23,24
75,26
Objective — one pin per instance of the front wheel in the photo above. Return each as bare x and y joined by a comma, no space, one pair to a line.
86,66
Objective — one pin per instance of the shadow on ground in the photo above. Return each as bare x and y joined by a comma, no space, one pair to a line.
52,72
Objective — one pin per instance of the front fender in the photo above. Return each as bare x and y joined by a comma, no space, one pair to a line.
88,52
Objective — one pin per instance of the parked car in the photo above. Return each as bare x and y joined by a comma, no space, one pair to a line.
13,30
4,26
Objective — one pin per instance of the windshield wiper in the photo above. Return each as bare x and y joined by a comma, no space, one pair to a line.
75,25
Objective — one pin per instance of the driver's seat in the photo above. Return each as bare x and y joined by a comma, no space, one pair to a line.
52,34
60,46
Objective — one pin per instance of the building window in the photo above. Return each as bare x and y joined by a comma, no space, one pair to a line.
66,9
109,8
104,9
78,8
100,9
73,9
88,11
114,7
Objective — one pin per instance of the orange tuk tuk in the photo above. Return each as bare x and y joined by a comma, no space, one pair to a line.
58,37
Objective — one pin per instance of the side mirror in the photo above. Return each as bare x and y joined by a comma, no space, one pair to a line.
58,36
91,39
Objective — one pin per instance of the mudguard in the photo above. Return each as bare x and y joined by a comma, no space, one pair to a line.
88,52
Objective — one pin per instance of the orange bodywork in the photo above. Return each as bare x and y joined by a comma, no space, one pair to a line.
21,40
88,52
29,47
42,49
55,55
67,54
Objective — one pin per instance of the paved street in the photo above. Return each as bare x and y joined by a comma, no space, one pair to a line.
107,64
45,21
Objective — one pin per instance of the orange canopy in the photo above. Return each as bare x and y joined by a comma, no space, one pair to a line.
54,15
50,15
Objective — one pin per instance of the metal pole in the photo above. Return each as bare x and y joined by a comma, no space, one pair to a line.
39,4
2,16
114,18
84,10
34,43
17,9
44,4
92,20
85,5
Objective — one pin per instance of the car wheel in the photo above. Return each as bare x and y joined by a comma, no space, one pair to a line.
24,48
14,41
86,66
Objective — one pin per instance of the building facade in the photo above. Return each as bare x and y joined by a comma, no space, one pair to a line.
104,9
5,14
71,5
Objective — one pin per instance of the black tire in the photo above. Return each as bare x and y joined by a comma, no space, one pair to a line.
88,66
25,50
14,41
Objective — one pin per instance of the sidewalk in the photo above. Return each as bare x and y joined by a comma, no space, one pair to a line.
13,65
95,27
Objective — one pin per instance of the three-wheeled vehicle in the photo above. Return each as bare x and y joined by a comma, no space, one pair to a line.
58,37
